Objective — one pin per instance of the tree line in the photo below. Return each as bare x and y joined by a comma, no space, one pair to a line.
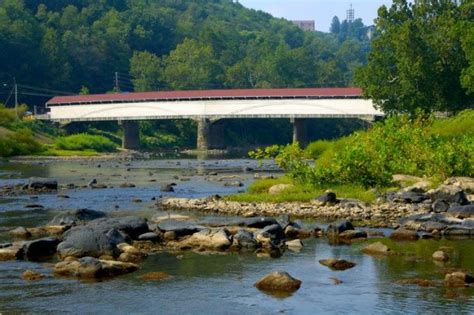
166,45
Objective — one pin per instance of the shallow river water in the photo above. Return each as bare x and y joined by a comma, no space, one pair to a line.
213,284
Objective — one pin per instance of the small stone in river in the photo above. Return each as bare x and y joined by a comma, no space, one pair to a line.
419,282
440,256
31,275
137,200
377,248
278,281
155,276
337,264
458,279
404,235
336,281
20,232
294,245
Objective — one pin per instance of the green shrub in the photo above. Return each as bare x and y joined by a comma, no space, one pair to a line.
84,141
417,145
21,142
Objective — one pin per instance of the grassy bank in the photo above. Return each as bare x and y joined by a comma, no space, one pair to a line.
21,135
362,165
258,192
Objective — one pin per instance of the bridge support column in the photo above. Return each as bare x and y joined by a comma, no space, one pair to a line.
203,134
131,135
300,133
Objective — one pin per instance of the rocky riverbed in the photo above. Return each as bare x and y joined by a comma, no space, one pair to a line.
251,260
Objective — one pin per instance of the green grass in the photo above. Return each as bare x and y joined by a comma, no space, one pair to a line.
65,153
86,142
258,192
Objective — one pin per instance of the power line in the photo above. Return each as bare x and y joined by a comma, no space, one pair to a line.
45,90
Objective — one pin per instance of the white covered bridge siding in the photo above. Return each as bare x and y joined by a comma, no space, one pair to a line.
207,107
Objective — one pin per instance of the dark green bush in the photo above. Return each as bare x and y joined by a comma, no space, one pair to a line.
84,141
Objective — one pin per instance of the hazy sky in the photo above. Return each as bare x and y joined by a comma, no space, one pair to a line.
322,11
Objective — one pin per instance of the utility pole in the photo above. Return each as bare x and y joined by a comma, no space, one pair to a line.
16,97
117,88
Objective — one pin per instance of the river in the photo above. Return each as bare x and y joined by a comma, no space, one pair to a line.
219,283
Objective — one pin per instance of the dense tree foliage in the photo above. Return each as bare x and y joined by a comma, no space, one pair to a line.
166,44
421,57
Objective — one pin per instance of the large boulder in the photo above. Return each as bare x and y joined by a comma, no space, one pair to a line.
271,235
38,249
449,193
36,183
462,212
440,205
212,239
94,241
92,268
77,216
278,281
130,226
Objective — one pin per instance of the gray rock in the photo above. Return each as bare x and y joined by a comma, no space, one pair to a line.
462,212
275,232
180,228
36,183
407,197
77,216
234,184
451,194
92,182
327,198
167,187
440,205
339,227
82,241
352,235
430,226
256,222
38,249
150,236
130,226
458,231
245,240
92,268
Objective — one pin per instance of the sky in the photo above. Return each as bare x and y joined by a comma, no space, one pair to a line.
322,11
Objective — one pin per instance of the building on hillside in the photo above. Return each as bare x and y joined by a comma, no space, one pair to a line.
306,25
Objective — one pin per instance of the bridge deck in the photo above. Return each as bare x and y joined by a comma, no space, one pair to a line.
216,104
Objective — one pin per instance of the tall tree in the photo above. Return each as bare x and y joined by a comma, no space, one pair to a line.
335,26
417,60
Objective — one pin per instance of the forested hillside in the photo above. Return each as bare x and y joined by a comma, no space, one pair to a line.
79,45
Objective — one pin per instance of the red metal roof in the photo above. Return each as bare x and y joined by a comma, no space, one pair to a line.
206,94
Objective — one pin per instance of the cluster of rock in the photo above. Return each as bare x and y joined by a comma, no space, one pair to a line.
415,200
34,185
93,245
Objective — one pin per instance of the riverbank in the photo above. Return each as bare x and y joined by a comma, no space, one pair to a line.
363,214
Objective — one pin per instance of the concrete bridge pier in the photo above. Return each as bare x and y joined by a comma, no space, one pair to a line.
203,134
300,131
210,135
131,135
